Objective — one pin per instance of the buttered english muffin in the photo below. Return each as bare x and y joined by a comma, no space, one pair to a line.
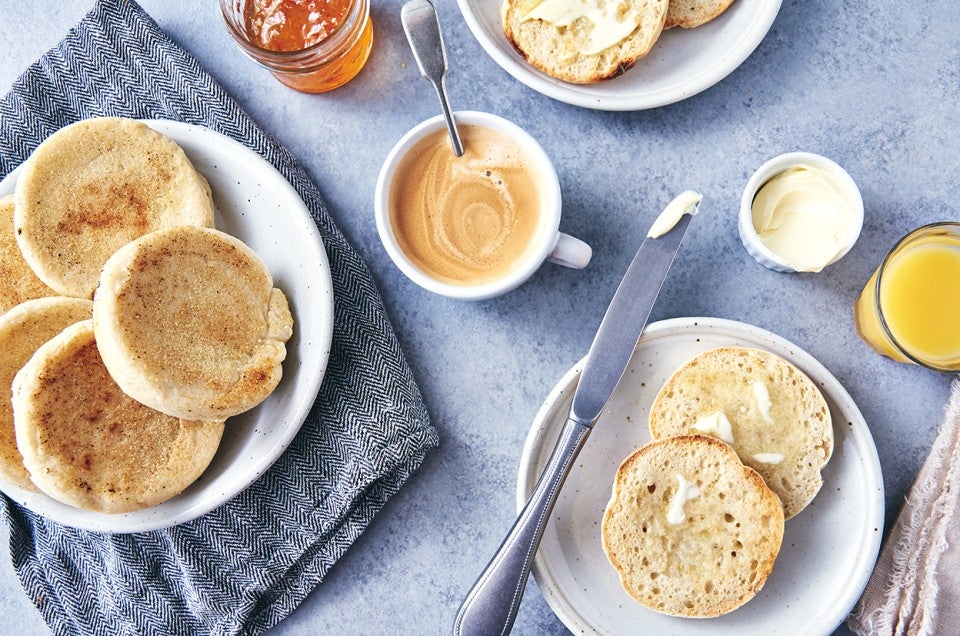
19,281
87,444
95,185
766,408
189,323
23,330
690,530
688,14
583,41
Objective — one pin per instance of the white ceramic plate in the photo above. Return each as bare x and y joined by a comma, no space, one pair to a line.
682,63
828,550
257,205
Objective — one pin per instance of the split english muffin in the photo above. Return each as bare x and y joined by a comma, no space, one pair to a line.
691,530
590,42
688,14
19,281
772,414
87,444
23,330
189,323
95,185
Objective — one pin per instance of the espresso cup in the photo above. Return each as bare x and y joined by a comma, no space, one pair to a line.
477,226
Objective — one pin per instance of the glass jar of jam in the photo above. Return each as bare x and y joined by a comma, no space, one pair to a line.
312,46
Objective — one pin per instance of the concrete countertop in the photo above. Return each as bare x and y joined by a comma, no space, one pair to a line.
873,86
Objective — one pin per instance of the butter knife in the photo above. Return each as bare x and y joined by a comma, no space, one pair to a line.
490,607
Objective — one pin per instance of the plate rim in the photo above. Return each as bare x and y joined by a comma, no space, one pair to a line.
581,95
870,547
150,518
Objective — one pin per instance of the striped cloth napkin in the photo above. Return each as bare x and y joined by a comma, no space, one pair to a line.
915,587
245,566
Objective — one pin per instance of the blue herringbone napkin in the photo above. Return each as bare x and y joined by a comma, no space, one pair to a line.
245,566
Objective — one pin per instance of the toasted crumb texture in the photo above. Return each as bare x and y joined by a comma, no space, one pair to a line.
557,50
23,330
721,553
779,421
93,186
189,323
87,444
688,14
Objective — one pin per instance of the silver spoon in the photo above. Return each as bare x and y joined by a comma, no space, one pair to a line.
422,27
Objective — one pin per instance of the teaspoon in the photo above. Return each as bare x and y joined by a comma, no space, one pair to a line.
422,27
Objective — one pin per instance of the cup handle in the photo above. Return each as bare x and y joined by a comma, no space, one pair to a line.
570,252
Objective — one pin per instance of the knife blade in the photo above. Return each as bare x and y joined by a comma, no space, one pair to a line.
623,323
492,603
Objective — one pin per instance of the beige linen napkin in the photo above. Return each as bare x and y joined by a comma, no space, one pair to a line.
915,588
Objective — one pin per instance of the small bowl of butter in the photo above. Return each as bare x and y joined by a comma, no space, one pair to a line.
799,213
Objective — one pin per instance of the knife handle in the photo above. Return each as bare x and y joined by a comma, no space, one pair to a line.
491,605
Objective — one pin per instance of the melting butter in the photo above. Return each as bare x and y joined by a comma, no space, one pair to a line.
768,458
715,424
802,215
684,203
685,492
600,27
762,395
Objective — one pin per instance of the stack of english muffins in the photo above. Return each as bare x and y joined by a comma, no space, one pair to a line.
131,327
696,518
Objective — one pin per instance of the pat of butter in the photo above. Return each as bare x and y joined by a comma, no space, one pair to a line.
606,26
762,396
685,492
717,425
684,203
768,458
802,215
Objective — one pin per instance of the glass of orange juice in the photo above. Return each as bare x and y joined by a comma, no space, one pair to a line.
910,308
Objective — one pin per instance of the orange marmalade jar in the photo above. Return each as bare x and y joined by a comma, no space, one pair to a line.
312,46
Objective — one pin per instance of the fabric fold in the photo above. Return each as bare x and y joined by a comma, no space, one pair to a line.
245,566
915,586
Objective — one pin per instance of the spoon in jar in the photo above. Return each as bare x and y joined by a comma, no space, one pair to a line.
422,27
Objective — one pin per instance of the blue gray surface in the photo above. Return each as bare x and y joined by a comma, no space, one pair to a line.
874,86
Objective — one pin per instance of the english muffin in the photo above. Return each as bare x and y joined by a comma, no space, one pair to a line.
22,330
19,281
690,530
766,408
95,185
600,43
688,14
189,323
87,444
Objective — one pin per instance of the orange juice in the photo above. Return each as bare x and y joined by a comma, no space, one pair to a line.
916,314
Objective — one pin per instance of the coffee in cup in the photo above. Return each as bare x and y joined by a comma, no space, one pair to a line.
477,225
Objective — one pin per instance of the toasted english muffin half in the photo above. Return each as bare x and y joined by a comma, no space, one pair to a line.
690,530
688,14
19,281
89,445
599,43
23,330
189,323
772,414
95,185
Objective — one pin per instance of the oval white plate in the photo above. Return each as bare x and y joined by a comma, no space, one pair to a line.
257,205
682,63
828,550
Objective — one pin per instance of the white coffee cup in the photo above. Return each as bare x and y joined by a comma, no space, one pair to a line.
549,244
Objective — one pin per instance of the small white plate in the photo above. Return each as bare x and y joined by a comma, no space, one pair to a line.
682,63
828,550
257,205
